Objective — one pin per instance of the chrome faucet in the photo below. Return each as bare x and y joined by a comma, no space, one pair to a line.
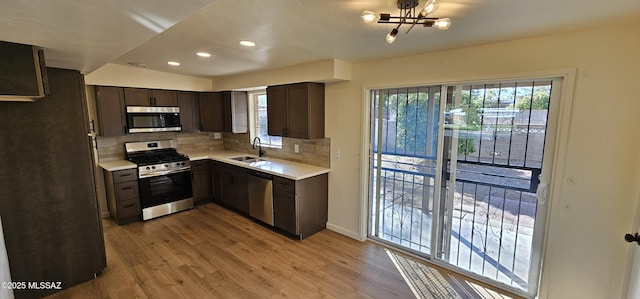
260,151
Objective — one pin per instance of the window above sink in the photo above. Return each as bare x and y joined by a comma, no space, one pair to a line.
258,119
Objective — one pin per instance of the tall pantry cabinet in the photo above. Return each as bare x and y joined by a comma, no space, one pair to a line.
48,204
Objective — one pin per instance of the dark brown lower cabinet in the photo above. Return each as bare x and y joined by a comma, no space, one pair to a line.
230,186
242,192
123,197
300,207
201,181
48,203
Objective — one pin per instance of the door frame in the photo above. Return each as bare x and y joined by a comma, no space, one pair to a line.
632,269
562,121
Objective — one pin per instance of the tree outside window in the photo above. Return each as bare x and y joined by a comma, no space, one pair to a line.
260,122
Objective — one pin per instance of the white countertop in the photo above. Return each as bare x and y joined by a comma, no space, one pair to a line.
279,167
282,168
117,165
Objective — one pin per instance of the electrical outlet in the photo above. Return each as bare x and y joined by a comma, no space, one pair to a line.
296,148
217,135
337,153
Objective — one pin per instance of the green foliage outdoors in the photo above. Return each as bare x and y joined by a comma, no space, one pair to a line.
412,112
466,146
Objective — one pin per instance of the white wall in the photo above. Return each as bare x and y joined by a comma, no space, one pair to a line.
119,75
327,70
5,273
585,252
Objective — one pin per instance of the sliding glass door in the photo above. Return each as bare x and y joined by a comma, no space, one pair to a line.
455,177
403,165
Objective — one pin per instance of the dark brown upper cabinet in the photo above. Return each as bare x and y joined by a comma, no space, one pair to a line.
224,111
235,112
23,75
296,110
111,110
150,97
189,112
210,111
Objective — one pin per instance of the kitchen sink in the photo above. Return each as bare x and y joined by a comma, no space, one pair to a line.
247,159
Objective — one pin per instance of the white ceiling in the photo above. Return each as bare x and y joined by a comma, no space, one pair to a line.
86,35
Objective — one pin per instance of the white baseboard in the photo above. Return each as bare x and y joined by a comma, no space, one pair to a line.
346,232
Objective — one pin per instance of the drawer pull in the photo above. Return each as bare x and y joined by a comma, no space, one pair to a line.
124,175
129,206
126,188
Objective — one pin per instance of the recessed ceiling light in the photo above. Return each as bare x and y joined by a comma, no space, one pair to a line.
247,43
174,63
203,54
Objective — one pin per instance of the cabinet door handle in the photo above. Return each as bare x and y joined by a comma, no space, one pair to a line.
126,188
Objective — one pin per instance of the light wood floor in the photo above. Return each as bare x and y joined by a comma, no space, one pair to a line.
210,252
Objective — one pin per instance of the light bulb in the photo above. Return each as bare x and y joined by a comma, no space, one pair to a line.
370,16
443,24
391,36
247,43
431,6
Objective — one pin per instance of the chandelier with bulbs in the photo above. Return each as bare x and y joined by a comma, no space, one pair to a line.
408,15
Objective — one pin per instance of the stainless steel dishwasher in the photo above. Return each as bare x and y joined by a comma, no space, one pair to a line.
261,196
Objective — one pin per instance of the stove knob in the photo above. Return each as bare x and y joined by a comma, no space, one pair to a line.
178,164
153,167
148,167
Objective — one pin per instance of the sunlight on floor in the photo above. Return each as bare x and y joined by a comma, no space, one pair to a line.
432,283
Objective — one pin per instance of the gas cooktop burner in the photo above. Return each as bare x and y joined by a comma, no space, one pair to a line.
149,158
156,158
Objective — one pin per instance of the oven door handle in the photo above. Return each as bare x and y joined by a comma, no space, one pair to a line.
164,172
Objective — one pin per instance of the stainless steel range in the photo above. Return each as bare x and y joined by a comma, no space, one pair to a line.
164,177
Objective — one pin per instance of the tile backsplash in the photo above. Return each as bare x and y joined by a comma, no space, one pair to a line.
314,152
112,148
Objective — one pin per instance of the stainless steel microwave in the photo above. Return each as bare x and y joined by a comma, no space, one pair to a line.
143,119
